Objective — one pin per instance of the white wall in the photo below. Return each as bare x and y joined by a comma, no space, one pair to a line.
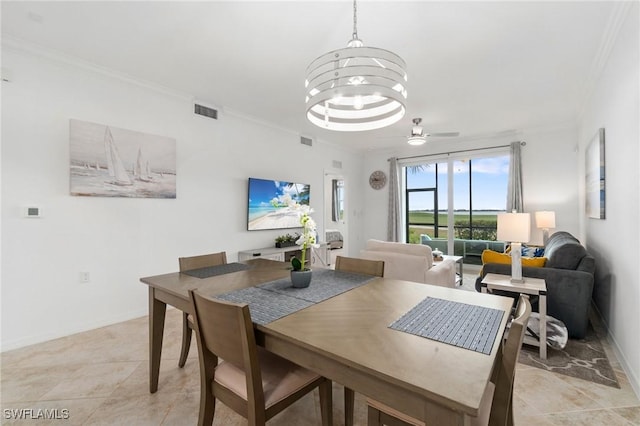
614,105
119,240
548,173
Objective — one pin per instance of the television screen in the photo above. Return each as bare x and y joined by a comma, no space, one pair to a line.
268,203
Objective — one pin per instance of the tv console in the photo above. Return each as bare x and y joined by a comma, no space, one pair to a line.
318,256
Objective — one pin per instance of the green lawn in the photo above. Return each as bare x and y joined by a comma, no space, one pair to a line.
484,226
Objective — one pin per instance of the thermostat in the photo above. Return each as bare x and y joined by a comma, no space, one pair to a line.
33,212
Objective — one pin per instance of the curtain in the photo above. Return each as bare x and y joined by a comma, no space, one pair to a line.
335,204
393,233
514,189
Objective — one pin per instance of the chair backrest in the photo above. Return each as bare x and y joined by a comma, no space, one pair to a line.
360,266
225,330
502,397
202,261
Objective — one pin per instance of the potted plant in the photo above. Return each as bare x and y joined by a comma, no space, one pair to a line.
287,240
300,274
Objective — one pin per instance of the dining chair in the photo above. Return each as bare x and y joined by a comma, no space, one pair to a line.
188,264
358,266
496,406
250,380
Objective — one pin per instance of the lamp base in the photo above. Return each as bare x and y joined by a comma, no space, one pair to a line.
516,263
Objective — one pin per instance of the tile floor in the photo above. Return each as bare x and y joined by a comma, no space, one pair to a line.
101,378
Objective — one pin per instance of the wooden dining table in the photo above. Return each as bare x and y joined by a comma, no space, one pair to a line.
347,339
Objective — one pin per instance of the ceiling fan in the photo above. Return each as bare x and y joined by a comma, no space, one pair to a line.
419,137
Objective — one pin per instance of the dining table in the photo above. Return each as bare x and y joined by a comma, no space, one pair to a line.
353,338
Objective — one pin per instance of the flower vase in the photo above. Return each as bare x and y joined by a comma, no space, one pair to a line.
301,279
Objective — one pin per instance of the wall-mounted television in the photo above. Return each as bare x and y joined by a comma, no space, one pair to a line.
268,207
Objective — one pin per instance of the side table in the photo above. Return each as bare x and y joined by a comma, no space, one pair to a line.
458,261
532,286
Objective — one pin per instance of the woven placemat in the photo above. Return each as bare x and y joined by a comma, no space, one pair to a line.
325,283
212,271
459,324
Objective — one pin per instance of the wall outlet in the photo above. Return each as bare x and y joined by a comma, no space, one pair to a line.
85,277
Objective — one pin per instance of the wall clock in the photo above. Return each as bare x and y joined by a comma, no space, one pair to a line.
378,179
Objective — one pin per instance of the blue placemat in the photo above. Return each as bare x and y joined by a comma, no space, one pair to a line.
265,306
212,271
459,324
325,283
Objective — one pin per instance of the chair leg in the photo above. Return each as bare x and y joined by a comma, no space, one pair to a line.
326,403
186,340
373,416
349,398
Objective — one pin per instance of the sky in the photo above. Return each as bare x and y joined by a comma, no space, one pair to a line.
262,191
489,180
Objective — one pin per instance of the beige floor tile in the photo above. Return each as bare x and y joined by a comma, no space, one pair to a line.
632,414
32,384
589,417
545,393
96,380
141,410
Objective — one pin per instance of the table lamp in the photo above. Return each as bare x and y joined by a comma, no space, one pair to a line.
545,220
515,228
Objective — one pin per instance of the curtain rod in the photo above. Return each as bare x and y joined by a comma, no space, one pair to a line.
522,143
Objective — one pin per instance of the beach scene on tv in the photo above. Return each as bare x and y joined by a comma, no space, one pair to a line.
269,202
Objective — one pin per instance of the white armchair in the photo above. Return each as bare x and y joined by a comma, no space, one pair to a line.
411,262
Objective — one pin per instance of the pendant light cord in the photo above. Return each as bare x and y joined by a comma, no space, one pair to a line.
355,21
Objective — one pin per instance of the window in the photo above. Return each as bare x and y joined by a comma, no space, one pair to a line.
478,193
337,200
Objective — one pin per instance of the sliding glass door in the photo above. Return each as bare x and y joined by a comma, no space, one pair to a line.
452,204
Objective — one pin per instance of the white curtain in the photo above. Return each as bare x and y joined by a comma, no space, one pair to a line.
514,189
393,231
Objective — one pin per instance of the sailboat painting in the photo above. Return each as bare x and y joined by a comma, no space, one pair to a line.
107,161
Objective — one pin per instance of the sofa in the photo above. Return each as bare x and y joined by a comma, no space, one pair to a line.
411,262
568,273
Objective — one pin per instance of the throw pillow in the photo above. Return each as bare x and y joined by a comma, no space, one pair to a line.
490,256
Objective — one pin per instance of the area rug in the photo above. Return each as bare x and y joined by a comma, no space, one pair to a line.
584,359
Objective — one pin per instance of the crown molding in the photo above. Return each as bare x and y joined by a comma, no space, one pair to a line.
621,10
24,47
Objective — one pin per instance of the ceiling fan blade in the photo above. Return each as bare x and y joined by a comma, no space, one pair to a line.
444,134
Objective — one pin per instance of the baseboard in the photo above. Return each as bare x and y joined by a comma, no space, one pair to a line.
76,328
633,378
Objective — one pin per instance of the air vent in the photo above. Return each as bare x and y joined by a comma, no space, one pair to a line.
306,141
206,111
337,164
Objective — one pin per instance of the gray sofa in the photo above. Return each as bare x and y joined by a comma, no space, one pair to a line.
568,272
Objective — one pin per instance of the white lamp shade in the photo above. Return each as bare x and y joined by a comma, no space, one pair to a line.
514,227
545,220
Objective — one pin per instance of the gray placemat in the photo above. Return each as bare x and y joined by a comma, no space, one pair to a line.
265,306
325,284
459,324
212,271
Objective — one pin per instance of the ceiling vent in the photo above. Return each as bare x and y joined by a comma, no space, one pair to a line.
206,111
306,141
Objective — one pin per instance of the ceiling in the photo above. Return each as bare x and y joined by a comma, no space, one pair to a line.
479,68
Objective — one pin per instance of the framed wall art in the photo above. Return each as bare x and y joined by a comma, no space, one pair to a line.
595,194
107,161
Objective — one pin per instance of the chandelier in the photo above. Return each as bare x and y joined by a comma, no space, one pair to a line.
356,88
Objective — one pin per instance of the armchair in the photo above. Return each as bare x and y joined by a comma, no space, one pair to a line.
411,262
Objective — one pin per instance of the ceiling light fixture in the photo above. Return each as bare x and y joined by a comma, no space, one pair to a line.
356,88
417,136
